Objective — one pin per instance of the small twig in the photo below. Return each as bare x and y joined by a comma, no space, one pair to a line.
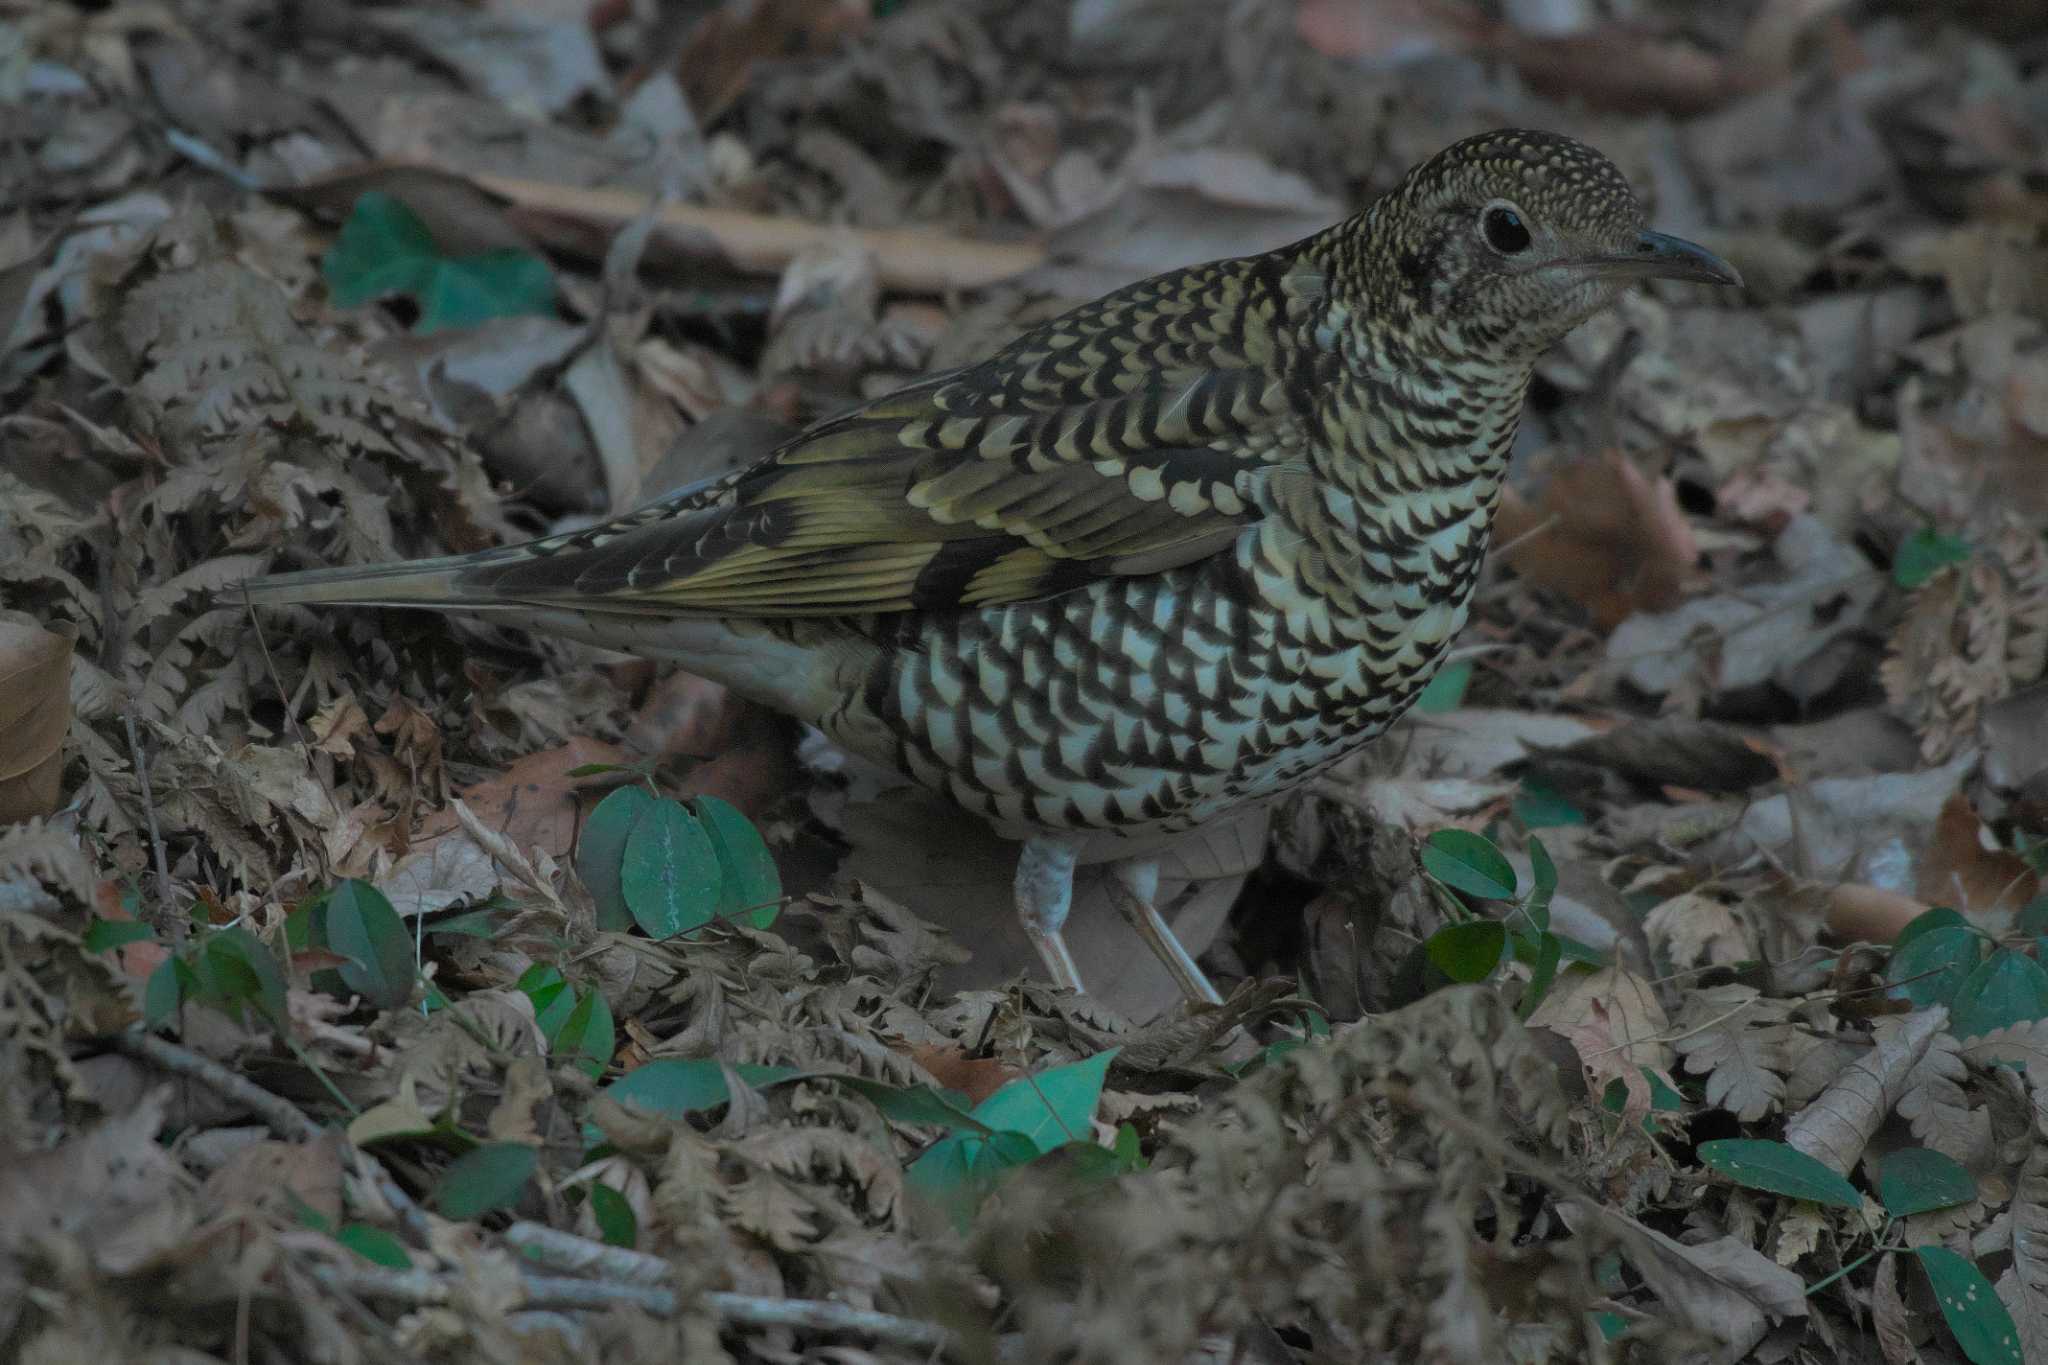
164,891
281,1115
558,1250
422,1288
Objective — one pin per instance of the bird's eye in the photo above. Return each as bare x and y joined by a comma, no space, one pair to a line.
1503,229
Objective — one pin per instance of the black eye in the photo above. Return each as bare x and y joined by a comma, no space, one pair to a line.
1503,229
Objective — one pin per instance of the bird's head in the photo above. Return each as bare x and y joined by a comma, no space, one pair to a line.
1510,239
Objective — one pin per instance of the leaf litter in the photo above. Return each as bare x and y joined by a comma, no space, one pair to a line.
330,1029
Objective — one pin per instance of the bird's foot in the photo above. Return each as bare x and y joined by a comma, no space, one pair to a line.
1134,887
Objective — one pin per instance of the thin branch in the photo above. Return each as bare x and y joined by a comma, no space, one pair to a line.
422,1288
281,1115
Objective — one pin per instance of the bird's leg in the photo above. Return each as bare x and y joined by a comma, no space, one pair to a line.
1045,892
1134,886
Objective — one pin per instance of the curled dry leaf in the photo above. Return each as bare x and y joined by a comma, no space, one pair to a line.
1604,534
35,711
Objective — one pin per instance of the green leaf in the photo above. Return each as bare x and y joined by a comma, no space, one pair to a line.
2009,988
488,1177
1539,806
918,1104
363,927
677,1087
1926,922
385,249
233,969
1972,1308
1446,691
616,1223
104,935
552,998
601,853
748,882
1030,1116
1468,862
1931,968
587,1038
1051,1107
165,992
374,1245
1925,553
1469,951
1544,873
960,1170
1542,975
1917,1179
2033,917
670,875
1773,1166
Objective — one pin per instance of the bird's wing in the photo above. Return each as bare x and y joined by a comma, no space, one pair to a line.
1107,441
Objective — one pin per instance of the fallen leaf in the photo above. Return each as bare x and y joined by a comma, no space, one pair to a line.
1605,535
35,711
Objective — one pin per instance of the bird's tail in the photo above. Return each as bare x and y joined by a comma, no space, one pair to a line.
411,583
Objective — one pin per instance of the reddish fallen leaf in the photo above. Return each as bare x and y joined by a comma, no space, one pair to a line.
1964,869
755,766
1605,535
718,59
534,802
975,1077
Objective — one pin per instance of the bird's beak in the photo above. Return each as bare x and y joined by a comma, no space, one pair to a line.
1661,257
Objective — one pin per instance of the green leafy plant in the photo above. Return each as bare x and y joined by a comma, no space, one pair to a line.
228,969
385,249
673,867
1472,948
1940,958
1925,553
1914,1180
1021,1122
577,1024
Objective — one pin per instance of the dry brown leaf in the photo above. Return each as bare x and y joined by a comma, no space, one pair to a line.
719,57
1736,1039
35,712
1613,1020
534,802
1695,928
1603,534
1964,867
953,1068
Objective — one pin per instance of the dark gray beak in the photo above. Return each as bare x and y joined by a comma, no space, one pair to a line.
1661,257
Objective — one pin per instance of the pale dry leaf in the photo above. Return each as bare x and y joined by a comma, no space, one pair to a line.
1840,1122
1613,1020
1936,1105
47,853
1736,1039
450,870
1800,1228
35,712
771,1208
2024,1287
1694,928
1890,1317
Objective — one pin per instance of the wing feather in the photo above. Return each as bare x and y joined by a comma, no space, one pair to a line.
1122,438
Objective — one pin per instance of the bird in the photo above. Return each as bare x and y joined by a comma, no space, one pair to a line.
1167,556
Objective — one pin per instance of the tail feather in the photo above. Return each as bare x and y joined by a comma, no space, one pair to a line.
412,583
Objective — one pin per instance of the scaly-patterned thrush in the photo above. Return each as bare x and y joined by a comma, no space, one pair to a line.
1176,551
